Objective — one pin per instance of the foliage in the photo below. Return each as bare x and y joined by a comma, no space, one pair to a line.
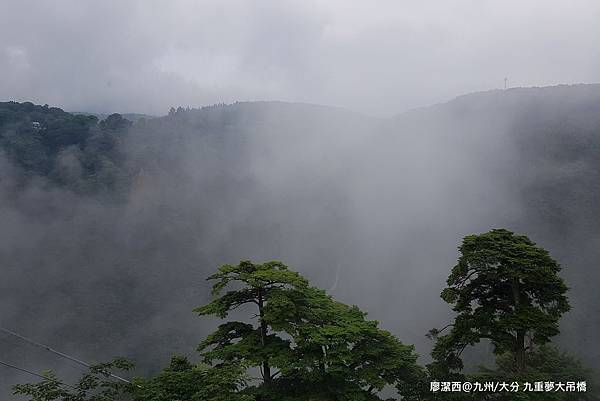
96,385
320,348
71,150
184,381
257,347
505,289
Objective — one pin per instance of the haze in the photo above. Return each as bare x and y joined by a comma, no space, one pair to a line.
107,236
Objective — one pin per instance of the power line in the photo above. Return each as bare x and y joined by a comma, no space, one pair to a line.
61,354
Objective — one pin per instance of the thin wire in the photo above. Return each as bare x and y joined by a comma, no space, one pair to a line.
61,354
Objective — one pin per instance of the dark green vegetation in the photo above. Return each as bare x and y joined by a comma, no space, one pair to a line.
71,150
96,384
307,346
105,252
504,289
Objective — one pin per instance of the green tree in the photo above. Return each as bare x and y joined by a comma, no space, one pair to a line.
260,283
182,380
307,345
505,289
95,385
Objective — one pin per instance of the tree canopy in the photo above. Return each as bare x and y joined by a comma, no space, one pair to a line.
306,345
71,150
506,289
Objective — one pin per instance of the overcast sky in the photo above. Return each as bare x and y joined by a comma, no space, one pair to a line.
377,57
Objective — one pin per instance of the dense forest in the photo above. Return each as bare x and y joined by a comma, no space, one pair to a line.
70,150
111,226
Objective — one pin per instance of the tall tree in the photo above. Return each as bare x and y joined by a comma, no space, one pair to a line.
307,345
505,289
260,283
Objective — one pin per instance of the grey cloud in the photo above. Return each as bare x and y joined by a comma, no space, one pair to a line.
377,57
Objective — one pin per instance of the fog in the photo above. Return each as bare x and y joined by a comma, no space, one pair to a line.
368,206
371,209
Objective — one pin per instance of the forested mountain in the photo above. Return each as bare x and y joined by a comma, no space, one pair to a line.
69,150
109,227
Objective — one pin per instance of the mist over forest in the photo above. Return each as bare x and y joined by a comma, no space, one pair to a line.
110,226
